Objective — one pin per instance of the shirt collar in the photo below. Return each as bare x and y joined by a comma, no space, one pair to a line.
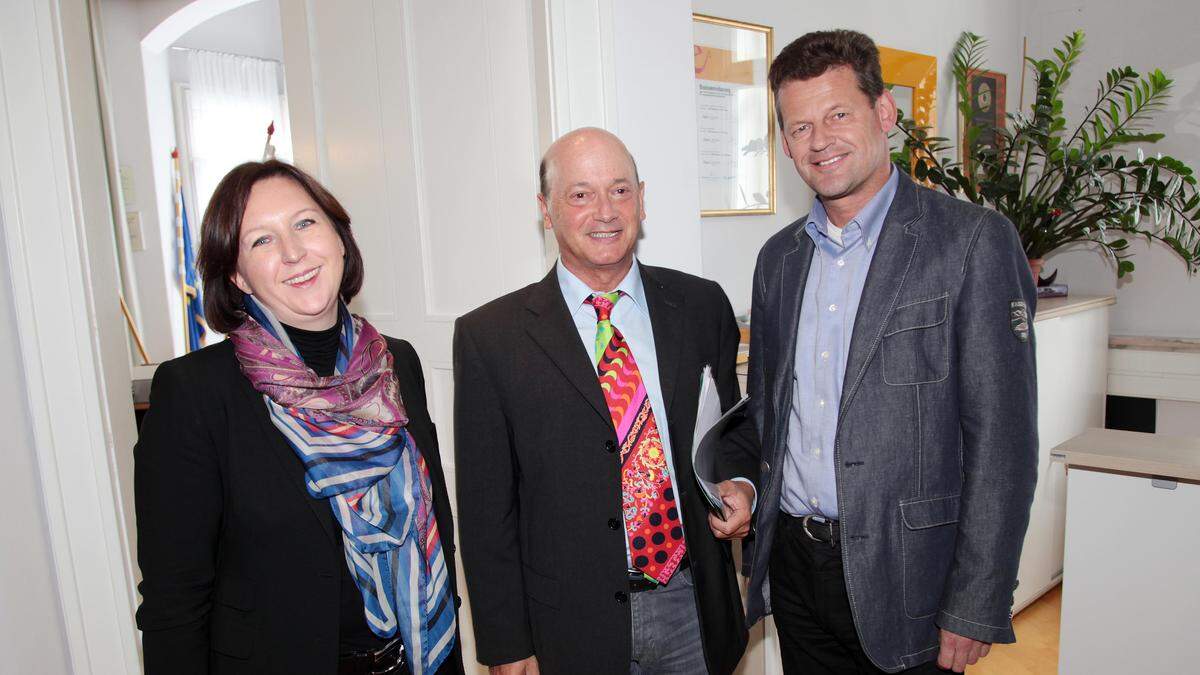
575,292
865,225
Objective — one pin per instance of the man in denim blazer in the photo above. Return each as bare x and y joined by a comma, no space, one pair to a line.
892,382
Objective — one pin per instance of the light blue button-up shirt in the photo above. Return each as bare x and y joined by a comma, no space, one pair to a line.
831,296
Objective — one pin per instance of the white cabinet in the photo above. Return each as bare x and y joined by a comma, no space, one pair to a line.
1130,598
1072,361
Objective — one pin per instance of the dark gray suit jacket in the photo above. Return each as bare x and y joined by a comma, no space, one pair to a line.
937,431
539,485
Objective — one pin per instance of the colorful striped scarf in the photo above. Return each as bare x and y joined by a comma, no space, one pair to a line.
349,430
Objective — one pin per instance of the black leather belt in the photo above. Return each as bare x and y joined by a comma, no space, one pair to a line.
821,530
638,581
390,660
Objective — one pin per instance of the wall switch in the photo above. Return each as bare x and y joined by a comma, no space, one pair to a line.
133,223
127,187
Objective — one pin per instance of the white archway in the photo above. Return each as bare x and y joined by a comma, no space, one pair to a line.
161,134
187,17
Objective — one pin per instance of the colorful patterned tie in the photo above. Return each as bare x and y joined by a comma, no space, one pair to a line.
652,524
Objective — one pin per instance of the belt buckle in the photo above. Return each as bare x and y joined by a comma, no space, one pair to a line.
804,526
638,581
389,660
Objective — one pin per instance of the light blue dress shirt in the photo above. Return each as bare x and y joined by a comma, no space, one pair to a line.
831,296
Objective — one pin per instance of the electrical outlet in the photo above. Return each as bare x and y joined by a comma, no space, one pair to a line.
133,224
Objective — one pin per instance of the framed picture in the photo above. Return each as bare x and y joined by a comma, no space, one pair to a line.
913,80
734,116
988,91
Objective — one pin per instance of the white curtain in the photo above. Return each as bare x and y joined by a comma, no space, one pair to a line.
231,101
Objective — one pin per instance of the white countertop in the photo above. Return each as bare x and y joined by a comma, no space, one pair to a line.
1049,308
1154,344
1133,452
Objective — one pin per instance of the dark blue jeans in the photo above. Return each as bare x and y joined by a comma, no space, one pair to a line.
812,610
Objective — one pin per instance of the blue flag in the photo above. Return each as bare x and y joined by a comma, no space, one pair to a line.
196,326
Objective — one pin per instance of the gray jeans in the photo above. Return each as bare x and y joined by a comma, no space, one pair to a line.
666,629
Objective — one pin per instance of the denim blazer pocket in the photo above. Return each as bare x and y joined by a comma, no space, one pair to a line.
916,344
927,539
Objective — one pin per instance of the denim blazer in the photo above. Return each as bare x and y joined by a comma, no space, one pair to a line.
936,452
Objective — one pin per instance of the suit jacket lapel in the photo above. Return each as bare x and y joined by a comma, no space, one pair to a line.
885,280
666,317
550,325
793,277
291,466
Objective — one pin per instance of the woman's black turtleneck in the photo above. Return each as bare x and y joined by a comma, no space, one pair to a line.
319,350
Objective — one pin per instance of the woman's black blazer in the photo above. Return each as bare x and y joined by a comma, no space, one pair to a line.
240,566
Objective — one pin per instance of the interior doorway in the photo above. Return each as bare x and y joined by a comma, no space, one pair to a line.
194,87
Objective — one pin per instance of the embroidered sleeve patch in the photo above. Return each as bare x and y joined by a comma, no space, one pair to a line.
1018,319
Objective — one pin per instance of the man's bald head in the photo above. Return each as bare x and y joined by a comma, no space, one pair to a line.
593,201
583,139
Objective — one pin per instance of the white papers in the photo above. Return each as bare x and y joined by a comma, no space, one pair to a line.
710,424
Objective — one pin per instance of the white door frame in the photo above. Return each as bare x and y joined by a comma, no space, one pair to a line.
43,207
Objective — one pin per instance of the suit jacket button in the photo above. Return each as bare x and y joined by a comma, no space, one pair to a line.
614,524
621,597
766,467
610,446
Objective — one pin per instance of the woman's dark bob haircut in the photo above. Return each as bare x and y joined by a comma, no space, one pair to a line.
222,226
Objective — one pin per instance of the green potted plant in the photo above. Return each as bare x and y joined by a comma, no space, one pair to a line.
1059,183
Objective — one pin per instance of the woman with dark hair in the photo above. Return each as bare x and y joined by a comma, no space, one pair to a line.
291,507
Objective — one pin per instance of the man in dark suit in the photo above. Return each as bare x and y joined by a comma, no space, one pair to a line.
892,381
586,543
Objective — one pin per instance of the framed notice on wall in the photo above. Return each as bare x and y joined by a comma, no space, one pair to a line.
734,116
988,91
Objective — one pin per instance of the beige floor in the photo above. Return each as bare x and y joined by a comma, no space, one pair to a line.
1036,650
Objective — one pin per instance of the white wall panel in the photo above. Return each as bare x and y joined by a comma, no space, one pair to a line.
472,88
34,637
425,128
350,95
439,390
655,92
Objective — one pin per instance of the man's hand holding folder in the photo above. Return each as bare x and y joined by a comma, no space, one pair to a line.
734,522
730,502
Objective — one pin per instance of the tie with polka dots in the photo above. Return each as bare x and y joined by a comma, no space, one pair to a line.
652,525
